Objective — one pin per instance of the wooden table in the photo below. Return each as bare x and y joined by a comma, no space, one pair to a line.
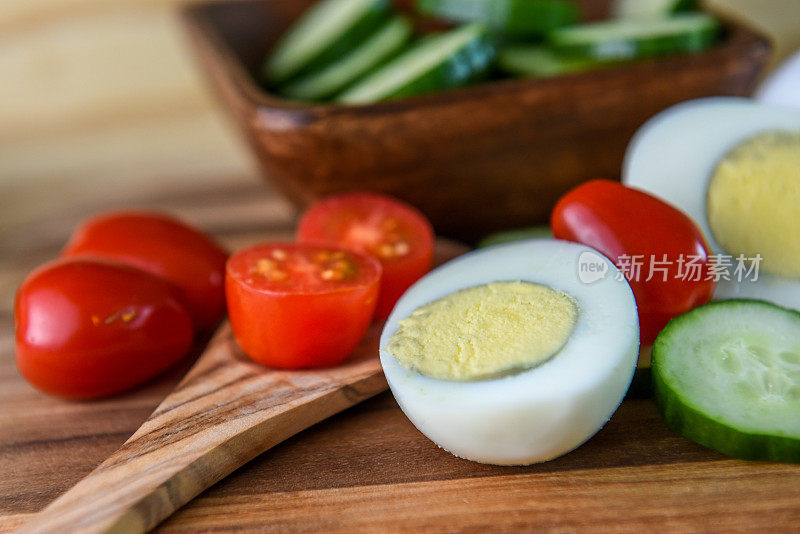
369,468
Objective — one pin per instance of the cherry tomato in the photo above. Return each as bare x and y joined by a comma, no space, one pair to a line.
647,239
393,232
89,328
165,247
294,305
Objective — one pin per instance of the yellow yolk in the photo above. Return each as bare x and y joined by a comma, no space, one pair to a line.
485,331
754,201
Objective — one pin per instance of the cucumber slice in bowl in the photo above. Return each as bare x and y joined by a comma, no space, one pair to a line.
650,8
514,18
727,375
636,38
518,234
540,62
385,43
324,33
437,62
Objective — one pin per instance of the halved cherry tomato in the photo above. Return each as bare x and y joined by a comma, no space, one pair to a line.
165,247
392,231
89,328
647,239
295,305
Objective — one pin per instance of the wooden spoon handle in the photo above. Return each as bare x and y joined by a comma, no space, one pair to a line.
226,411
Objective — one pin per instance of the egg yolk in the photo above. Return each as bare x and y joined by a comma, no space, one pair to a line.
754,201
485,331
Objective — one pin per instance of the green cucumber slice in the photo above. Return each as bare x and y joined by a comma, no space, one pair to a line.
634,38
323,34
541,62
649,8
727,375
437,62
514,18
533,232
384,44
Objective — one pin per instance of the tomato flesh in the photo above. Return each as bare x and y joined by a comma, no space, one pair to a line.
297,305
164,247
398,235
626,224
88,329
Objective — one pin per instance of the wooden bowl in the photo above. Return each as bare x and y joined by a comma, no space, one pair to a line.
476,160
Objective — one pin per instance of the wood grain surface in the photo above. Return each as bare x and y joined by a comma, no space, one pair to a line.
368,468
226,411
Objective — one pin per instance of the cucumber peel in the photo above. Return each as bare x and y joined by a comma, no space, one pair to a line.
437,62
380,47
622,39
323,34
727,375
650,8
540,62
533,232
513,18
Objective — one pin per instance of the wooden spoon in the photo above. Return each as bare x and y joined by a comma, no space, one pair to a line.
226,411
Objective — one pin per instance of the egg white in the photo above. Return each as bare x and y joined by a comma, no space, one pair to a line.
673,157
782,86
540,413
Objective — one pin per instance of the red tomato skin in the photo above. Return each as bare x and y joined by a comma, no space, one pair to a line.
86,329
398,279
299,329
618,220
164,247
317,226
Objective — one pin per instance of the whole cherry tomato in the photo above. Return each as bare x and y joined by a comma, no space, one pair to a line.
393,232
660,249
295,305
87,328
164,247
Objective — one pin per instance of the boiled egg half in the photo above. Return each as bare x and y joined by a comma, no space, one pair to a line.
733,165
513,354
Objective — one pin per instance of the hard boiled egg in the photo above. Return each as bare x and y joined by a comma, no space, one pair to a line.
782,86
513,354
734,167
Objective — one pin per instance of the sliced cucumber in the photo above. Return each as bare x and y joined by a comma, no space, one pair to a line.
515,18
385,43
437,62
324,33
629,39
534,232
650,8
727,375
541,62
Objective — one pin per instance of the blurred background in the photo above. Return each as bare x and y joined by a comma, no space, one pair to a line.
101,101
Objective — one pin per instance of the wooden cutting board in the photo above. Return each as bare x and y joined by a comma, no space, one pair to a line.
368,467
